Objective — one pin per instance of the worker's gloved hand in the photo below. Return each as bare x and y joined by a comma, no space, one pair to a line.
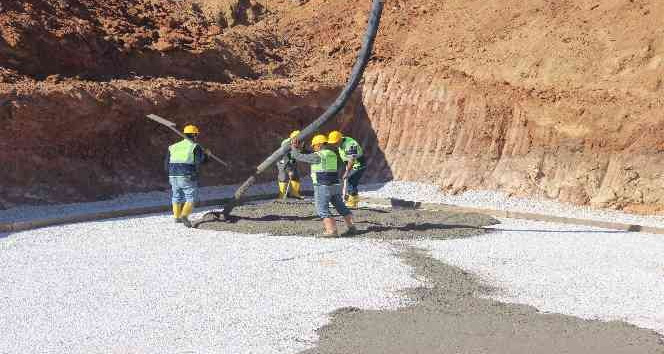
207,152
296,144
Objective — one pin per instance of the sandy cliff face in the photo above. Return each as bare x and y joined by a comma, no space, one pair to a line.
556,99
446,128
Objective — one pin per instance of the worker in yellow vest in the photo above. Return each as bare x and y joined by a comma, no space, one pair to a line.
183,162
288,173
325,178
352,155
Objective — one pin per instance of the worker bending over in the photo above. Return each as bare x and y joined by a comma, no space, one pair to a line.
325,177
183,162
352,155
288,173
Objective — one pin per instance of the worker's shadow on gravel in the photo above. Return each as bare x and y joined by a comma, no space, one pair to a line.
281,217
426,227
271,218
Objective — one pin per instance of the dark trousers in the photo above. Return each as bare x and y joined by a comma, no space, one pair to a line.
354,180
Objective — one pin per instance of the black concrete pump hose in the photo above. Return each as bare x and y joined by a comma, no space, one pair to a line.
333,110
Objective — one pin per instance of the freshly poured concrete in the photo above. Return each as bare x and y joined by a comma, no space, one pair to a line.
299,218
450,317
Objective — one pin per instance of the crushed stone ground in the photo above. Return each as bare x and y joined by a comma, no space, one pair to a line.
148,285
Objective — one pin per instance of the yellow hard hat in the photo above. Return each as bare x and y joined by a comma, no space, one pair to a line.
334,137
294,134
319,139
191,129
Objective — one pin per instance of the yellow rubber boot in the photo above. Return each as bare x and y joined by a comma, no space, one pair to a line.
295,189
352,201
187,209
177,211
282,189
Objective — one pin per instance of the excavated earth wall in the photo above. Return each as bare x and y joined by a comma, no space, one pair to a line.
85,141
538,98
443,127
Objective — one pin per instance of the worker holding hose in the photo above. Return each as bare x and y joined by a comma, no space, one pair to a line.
352,155
288,176
325,177
183,162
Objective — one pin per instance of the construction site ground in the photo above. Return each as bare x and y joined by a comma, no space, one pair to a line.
410,280
540,107
296,218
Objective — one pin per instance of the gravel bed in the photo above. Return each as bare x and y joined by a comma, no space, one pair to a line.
575,270
137,200
147,285
428,193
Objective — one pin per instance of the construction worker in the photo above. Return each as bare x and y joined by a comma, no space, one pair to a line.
325,178
288,174
183,162
352,154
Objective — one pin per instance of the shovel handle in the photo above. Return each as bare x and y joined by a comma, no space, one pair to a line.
343,191
213,156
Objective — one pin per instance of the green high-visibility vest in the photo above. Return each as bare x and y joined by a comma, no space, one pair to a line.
327,165
346,144
182,152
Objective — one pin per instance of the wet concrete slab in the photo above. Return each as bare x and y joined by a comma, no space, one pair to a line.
292,217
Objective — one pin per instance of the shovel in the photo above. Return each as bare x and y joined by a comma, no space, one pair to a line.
343,191
170,125
287,188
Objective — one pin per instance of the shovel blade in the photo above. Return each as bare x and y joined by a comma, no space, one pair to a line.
161,120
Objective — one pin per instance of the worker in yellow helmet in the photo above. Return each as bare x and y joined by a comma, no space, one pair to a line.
288,176
325,177
183,162
352,155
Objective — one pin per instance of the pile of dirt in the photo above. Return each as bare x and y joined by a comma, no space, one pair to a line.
299,219
229,13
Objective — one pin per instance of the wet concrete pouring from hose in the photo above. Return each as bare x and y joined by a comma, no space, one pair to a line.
298,218
451,312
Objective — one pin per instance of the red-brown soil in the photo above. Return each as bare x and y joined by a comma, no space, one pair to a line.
558,99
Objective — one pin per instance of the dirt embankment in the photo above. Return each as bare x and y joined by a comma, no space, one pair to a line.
78,77
539,98
553,99
85,141
443,127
